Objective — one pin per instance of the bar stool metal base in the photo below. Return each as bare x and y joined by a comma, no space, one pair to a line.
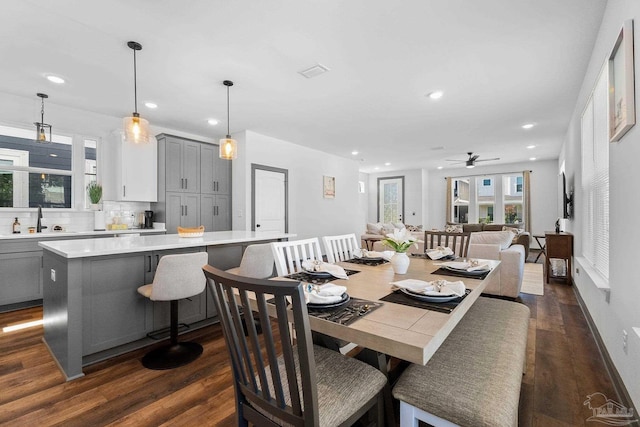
172,356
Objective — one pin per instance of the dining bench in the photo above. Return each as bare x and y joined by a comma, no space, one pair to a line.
474,378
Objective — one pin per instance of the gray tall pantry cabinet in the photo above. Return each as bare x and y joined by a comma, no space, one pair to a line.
194,185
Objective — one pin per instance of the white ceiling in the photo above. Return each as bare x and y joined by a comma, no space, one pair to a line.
500,63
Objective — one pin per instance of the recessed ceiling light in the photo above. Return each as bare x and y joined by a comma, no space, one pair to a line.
314,71
440,167
53,155
376,168
528,126
531,146
212,122
436,94
354,152
387,164
532,158
55,79
151,105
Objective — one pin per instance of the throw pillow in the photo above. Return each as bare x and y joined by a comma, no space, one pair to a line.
398,225
388,228
414,227
374,228
453,228
514,230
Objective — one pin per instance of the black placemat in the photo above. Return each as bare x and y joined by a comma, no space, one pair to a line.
447,272
425,256
365,261
347,313
399,297
309,278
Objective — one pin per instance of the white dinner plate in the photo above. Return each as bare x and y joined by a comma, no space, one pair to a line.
428,298
345,299
318,273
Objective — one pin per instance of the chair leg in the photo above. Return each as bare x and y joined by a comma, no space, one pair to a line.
175,354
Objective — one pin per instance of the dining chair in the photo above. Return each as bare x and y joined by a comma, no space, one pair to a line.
290,255
340,248
257,262
279,383
177,277
458,242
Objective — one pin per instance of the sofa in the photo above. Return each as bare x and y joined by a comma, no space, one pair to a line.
521,238
498,245
378,231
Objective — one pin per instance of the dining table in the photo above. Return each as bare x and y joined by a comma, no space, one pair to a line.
410,333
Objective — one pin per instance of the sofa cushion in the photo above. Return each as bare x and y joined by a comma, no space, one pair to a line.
398,225
472,228
453,228
501,238
374,228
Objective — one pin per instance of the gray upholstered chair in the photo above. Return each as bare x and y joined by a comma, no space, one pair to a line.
278,383
257,262
177,277
340,248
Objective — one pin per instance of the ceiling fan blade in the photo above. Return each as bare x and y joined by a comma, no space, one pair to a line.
455,160
487,160
473,158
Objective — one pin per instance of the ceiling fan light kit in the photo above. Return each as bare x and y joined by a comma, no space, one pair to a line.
471,161
136,129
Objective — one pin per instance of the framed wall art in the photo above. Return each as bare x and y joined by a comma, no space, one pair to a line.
622,108
329,187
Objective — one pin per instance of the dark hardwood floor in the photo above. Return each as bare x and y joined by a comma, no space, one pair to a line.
563,367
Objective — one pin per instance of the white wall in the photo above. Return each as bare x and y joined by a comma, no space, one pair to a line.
622,310
310,215
544,192
413,192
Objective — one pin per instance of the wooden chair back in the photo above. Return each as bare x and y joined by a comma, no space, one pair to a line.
458,242
340,248
261,385
290,255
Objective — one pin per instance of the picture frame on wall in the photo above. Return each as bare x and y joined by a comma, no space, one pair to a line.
622,109
329,187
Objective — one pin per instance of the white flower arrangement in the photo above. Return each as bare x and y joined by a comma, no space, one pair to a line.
400,240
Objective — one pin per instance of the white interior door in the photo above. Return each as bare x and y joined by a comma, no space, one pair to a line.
391,199
269,201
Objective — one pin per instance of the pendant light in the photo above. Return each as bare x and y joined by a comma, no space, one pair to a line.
228,146
136,129
41,126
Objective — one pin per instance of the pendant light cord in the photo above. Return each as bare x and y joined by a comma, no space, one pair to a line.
135,84
228,114
42,112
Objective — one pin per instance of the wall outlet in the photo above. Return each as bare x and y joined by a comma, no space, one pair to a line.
577,270
625,337
53,275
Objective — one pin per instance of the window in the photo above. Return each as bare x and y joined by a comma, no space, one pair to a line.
34,174
90,167
595,179
512,198
485,200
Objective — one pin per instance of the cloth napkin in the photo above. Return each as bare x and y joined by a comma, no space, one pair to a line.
363,253
324,294
468,266
435,288
319,266
439,252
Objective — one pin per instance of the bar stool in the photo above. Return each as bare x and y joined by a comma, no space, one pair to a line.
177,276
257,262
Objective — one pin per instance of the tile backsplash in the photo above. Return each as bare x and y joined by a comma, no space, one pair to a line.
124,212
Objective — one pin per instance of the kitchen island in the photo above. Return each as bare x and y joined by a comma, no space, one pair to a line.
91,307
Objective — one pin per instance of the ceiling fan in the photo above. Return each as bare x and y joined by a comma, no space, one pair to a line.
471,161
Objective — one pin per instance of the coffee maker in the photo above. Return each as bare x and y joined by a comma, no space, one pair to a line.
148,219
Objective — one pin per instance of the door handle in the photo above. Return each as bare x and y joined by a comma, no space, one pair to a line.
124,191
186,212
157,260
186,183
149,271
257,225
181,210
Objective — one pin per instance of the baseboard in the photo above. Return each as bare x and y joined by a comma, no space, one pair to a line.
623,396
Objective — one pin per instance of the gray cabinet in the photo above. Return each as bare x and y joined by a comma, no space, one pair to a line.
181,168
215,173
21,278
190,310
185,168
215,212
114,312
182,210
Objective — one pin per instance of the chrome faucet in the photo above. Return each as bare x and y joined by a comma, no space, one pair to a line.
39,226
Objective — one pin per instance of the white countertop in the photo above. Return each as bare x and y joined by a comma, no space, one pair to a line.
63,234
83,248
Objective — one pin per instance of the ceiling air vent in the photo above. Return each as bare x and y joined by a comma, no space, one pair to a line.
316,70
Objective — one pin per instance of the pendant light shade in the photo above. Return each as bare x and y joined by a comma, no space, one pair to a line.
228,146
136,129
41,126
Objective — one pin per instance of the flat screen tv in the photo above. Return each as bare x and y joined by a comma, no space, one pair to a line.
567,199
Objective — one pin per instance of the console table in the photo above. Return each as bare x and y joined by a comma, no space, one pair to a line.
558,246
